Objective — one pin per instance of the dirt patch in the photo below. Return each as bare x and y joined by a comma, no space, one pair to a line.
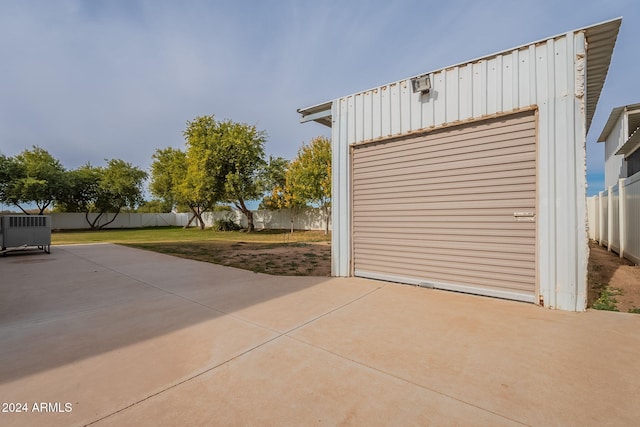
282,259
610,274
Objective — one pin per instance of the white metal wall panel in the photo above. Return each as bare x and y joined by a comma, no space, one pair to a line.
468,91
439,208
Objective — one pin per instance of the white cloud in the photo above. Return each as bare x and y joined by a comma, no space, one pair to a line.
89,80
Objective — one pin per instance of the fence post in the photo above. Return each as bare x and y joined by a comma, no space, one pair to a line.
596,218
600,219
609,217
622,216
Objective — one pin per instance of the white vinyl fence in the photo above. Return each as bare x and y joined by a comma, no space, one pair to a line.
307,219
69,221
614,218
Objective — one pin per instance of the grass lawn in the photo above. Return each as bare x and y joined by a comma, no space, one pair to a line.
278,252
179,234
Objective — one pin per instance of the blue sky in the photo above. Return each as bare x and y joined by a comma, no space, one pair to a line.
89,80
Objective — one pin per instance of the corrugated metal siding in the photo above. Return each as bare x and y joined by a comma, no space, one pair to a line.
458,94
440,207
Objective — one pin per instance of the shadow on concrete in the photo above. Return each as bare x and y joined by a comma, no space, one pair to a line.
81,301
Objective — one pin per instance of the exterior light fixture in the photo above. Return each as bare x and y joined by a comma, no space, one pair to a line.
421,84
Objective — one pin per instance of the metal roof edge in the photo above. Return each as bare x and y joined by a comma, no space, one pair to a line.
600,40
315,108
522,46
614,23
319,113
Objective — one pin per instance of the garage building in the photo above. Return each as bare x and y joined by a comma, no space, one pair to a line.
472,178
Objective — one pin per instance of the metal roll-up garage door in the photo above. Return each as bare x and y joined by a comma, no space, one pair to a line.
452,209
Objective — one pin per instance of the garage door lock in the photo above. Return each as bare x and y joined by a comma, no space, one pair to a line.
524,216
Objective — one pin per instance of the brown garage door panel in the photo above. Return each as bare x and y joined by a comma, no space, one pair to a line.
509,287
522,252
494,149
499,281
475,187
515,172
441,167
470,262
447,172
437,201
439,209
443,141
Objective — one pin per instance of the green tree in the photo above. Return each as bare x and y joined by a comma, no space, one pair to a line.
103,190
278,182
243,163
81,190
274,179
10,172
153,206
33,176
225,161
201,187
168,171
309,176
177,178
121,186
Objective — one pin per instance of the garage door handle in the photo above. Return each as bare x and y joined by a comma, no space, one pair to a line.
524,216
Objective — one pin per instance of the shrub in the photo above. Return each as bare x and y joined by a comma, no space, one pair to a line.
225,224
607,300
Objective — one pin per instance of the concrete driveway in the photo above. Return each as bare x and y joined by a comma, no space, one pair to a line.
108,335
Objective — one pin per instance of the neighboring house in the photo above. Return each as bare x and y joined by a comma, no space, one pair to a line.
471,178
621,137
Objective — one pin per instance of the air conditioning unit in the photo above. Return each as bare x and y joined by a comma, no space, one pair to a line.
19,231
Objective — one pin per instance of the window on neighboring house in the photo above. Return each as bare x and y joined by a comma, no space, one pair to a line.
633,163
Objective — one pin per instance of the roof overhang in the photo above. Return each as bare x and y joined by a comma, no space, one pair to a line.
320,113
601,39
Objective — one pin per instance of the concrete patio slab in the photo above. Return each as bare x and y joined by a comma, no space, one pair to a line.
538,366
288,383
107,358
129,337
